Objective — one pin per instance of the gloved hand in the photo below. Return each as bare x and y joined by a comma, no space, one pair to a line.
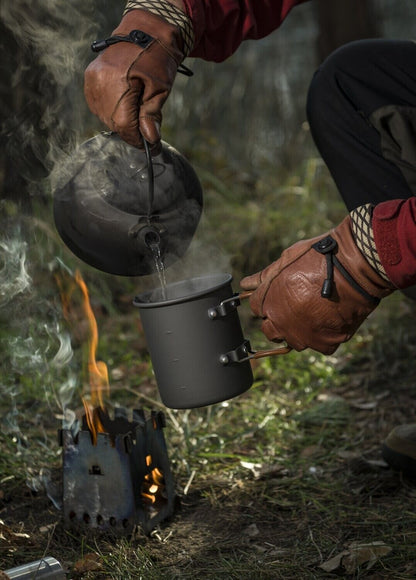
127,85
318,293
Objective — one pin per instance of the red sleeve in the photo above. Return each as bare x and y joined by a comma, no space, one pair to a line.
221,25
394,228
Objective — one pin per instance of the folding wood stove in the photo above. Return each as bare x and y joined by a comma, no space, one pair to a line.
122,479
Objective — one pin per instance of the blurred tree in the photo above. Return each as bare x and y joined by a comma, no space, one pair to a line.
45,48
342,21
23,138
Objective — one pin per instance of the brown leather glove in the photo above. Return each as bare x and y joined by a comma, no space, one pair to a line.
318,293
127,85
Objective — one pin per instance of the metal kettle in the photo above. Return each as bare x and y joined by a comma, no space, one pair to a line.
115,205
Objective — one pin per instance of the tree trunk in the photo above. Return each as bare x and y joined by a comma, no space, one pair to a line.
342,21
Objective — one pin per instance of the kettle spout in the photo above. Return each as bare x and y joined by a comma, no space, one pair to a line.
148,234
151,236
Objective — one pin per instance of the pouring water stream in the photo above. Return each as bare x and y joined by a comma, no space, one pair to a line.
160,267
154,245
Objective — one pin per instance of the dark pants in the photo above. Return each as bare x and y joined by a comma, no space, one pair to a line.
362,113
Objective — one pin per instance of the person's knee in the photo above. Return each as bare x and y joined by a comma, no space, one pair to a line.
340,79
327,90
318,93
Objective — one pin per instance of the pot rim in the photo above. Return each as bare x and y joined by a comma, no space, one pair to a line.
214,282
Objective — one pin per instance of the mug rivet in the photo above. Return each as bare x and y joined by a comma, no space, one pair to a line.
224,359
212,313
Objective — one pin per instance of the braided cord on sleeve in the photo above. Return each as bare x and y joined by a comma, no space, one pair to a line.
171,14
364,237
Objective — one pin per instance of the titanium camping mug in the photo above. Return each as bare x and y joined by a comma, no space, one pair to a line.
196,344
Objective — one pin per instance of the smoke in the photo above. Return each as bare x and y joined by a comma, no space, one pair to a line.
37,357
45,49
14,278
48,26
45,46
65,352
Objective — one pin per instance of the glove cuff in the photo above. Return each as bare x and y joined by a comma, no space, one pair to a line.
171,14
362,231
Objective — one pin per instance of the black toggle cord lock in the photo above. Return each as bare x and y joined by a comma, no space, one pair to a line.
137,37
328,246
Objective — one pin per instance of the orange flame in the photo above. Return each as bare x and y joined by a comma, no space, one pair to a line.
97,370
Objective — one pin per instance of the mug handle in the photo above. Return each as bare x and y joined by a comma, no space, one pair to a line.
284,349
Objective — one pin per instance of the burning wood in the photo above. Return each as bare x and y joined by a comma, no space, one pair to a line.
153,488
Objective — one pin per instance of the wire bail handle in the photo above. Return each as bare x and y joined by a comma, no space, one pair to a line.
150,176
147,227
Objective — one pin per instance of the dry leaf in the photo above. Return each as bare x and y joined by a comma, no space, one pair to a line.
345,454
255,468
89,563
356,555
47,528
273,471
360,554
251,531
311,451
334,563
364,405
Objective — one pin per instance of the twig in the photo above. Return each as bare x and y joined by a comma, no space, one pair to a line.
188,484
160,405
172,417
316,545
145,397
48,543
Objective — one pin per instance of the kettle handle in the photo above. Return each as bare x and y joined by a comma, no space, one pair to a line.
284,349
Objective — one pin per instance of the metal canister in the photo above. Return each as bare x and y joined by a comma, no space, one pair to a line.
46,568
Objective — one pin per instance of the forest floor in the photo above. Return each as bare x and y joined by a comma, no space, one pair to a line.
286,481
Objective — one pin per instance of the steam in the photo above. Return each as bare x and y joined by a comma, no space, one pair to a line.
204,256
